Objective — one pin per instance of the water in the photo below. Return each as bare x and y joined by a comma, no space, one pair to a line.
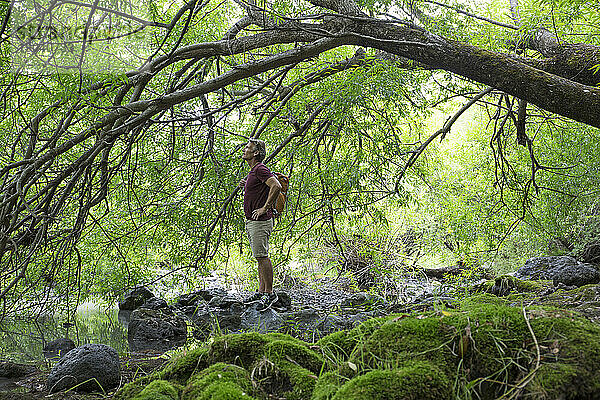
22,339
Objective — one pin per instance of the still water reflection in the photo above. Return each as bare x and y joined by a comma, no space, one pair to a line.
22,340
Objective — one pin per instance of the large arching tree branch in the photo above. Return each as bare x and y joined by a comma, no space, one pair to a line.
555,93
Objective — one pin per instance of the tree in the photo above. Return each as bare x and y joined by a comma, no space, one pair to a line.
78,142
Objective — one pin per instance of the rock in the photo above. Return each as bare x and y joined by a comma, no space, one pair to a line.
204,295
328,325
591,252
9,369
159,330
560,269
223,302
229,322
58,348
284,301
124,316
307,324
135,298
91,367
189,299
362,300
155,303
261,321
579,275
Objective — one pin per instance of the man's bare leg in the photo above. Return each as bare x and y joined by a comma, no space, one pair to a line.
265,275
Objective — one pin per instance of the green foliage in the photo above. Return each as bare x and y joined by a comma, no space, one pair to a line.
165,219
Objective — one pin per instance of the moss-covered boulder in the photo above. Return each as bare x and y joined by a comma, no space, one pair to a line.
159,390
487,347
242,349
219,381
415,381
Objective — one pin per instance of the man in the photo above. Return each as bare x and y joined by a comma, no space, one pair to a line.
261,189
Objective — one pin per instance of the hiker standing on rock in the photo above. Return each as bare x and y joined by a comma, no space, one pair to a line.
261,189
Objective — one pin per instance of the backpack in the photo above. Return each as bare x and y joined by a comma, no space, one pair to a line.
284,181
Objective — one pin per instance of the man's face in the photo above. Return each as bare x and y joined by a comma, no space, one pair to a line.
249,151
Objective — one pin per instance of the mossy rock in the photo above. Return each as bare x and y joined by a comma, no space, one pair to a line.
132,389
336,347
566,342
239,349
563,298
288,368
402,339
506,284
488,346
181,368
415,381
280,378
327,386
296,353
552,381
224,391
159,390
219,381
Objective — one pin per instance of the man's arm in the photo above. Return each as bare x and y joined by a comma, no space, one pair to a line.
274,190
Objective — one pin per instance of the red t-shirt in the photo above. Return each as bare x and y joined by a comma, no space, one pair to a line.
256,191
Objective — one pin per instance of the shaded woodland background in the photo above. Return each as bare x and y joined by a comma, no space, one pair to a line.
415,133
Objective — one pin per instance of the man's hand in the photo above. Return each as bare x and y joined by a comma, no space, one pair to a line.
258,212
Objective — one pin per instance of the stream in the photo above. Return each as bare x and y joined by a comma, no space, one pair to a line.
22,340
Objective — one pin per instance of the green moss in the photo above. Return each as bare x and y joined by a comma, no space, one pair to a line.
506,284
327,386
132,389
128,391
418,381
282,336
181,368
336,347
217,375
554,381
563,337
224,391
240,349
408,338
581,294
296,353
159,390
485,346
301,380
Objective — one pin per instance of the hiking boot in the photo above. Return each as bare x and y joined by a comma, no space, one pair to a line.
254,298
266,301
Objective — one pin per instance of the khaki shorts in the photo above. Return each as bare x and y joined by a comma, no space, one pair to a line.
258,235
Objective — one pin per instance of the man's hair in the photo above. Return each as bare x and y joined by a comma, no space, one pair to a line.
260,147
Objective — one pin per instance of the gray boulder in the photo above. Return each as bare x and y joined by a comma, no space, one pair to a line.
210,321
284,301
158,330
203,295
9,369
363,300
559,269
265,321
91,367
223,302
135,298
155,303
58,348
